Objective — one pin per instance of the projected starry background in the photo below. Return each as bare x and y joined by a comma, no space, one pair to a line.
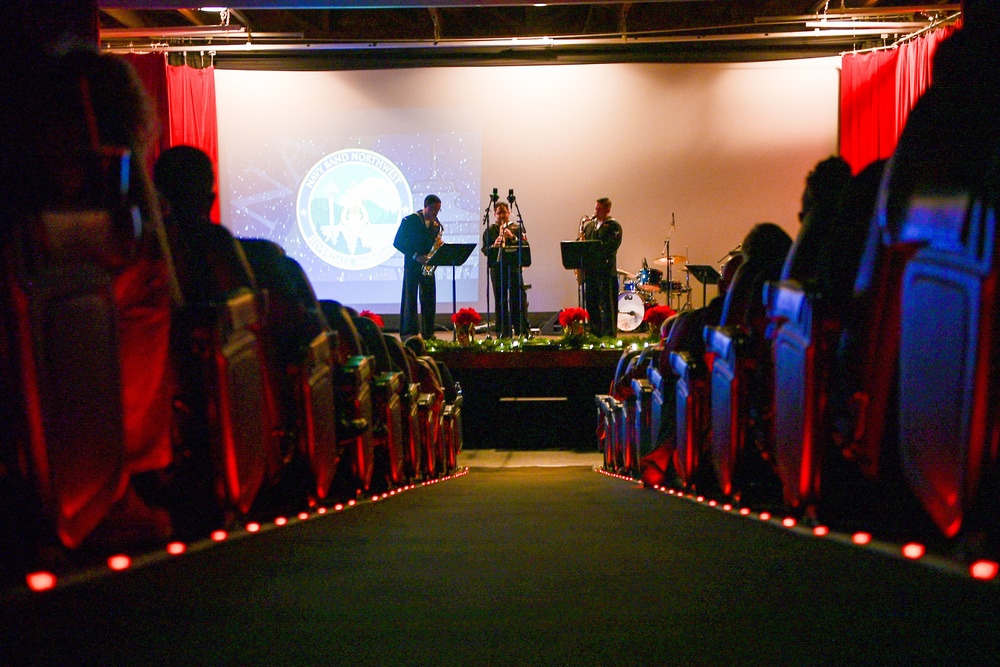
265,180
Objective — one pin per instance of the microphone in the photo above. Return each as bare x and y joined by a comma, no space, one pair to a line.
494,197
510,196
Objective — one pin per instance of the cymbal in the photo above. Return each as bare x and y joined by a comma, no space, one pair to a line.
625,273
671,259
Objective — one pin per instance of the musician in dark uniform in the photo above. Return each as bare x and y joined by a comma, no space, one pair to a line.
508,280
600,280
418,236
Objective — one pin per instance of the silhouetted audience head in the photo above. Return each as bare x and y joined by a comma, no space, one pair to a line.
185,179
416,345
84,119
824,185
766,242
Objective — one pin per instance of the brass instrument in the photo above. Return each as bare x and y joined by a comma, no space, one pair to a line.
428,270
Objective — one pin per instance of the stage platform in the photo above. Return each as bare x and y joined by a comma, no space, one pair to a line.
529,400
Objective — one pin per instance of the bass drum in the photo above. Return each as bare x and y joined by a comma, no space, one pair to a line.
631,310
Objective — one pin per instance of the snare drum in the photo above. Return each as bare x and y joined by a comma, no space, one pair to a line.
629,286
675,286
648,280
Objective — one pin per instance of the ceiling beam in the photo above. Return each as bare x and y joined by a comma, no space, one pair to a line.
354,4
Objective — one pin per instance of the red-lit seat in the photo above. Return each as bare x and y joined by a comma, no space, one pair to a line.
807,314
741,380
298,346
412,431
224,419
64,436
353,372
389,383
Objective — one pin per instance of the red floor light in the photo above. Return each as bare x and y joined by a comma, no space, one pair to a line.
712,503
321,510
41,581
914,550
984,569
352,503
280,521
176,548
701,499
765,516
119,562
374,498
788,522
727,507
303,515
338,507
253,527
219,535
744,511
861,538
820,531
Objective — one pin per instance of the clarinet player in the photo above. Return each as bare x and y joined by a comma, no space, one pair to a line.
508,283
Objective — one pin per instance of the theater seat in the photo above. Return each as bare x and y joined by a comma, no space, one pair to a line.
692,410
301,372
225,421
410,396
741,380
62,386
387,428
807,314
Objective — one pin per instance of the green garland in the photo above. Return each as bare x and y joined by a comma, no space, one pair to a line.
525,344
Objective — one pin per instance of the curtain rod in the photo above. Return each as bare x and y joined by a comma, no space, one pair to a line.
906,38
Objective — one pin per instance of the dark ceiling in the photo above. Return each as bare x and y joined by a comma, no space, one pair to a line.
311,34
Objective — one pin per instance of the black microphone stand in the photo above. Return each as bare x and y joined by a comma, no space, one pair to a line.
489,277
520,268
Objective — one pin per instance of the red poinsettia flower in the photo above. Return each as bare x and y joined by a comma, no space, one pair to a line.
466,316
373,317
569,315
656,316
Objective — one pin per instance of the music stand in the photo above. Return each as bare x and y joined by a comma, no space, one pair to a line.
507,256
579,255
453,255
706,275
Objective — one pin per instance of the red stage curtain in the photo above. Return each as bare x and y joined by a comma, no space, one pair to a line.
193,122
877,91
152,71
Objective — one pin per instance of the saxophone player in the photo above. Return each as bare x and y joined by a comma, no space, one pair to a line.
418,237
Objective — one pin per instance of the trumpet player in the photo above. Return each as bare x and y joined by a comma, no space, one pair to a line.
500,243
600,278
418,237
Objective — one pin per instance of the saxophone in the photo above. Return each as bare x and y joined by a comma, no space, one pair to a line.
428,270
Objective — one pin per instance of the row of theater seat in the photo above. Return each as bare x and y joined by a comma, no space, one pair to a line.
279,400
869,393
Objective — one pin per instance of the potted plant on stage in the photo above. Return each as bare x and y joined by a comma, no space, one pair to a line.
377,319
572,320
655,317
465,321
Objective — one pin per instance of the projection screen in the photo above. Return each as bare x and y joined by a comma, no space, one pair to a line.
327,163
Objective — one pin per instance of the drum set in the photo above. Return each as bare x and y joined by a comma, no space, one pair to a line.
641,289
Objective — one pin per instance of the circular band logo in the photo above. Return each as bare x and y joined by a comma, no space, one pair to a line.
349,207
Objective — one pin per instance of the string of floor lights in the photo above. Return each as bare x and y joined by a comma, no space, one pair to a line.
42,581
982,570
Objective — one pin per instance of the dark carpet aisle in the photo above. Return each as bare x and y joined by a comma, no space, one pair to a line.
520,566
